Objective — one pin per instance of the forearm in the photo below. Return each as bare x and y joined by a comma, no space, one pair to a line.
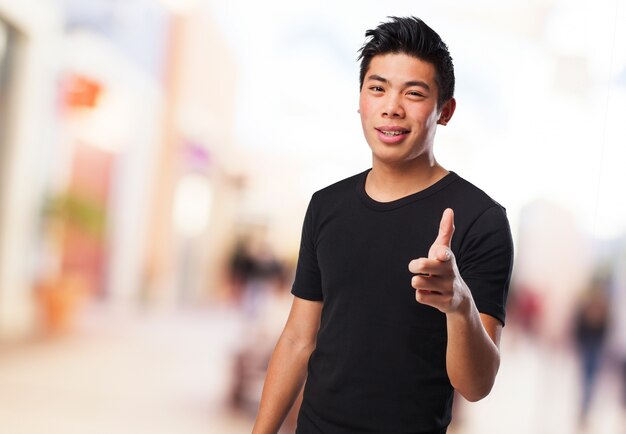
472,356
285,376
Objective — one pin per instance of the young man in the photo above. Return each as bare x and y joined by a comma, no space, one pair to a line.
403,271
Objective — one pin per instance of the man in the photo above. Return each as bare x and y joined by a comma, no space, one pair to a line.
403,271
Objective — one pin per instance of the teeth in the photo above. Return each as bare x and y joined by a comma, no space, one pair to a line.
392,133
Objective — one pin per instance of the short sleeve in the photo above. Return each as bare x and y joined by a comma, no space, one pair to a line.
486,260
308,282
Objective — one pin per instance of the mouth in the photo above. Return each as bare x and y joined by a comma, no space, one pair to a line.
392,134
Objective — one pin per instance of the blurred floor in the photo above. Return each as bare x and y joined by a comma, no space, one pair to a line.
165,373
153,374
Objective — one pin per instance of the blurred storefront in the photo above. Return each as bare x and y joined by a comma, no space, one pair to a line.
200,175
29,64
119,180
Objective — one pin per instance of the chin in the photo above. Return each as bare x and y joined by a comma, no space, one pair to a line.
389,159
389,153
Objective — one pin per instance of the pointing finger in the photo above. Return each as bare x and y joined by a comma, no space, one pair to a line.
446,228
440,248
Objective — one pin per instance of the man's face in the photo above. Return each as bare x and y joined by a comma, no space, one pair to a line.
398,107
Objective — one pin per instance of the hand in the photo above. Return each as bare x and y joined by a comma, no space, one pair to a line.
437,280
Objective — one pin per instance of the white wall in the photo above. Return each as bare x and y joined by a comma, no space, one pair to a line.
32,125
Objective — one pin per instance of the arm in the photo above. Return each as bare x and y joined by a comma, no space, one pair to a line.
288,366
472,354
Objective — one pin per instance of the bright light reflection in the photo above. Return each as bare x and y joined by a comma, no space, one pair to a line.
192,205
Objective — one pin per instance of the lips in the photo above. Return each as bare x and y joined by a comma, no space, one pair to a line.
391,134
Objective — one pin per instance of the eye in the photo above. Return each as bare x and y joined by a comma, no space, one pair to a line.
376,89
415,94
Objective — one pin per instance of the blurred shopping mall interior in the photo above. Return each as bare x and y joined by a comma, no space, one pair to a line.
157,158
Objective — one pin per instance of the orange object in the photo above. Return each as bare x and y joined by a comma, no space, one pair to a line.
60,299
81,91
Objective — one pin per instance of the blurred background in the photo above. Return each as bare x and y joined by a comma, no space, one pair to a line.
157,157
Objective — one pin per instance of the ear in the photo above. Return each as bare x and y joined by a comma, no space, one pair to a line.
447,111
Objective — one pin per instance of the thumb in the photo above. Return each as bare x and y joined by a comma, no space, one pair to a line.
446,230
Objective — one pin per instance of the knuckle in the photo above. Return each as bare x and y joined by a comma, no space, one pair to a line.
418,282
416,265
444,253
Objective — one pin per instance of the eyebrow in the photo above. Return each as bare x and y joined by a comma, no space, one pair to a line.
418,83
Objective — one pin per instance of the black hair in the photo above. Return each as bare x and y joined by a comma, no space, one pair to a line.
411,36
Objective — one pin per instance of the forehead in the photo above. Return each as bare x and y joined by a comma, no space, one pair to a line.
401,67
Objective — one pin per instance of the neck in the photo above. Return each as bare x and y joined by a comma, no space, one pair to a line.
390,182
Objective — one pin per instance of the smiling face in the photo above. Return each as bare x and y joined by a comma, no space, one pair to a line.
398,107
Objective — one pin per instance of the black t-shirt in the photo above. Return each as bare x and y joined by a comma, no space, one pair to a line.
379,365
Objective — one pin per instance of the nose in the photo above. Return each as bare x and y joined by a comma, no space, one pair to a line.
392,107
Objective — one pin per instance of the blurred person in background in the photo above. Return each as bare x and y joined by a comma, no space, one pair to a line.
403,270
525,308
241,267
258,284
617,329
257,342
254,271
590,330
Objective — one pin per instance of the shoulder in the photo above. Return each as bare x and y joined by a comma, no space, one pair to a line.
337,190
474,210
470,196
331,200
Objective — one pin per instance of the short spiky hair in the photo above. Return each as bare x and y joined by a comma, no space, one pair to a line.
410,35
